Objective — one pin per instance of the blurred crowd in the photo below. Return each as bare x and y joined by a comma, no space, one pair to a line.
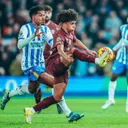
98,25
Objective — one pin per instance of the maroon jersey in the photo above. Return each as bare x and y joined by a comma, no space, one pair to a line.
53,27
66,39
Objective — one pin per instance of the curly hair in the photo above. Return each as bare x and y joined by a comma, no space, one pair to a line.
67,15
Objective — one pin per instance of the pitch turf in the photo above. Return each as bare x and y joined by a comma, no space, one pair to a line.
114,117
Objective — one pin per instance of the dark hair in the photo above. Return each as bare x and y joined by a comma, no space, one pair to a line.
67,15
48,8
35,9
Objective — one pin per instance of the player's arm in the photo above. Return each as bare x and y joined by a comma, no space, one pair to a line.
65,59
23,40
60,47
79,44
61,52
121,42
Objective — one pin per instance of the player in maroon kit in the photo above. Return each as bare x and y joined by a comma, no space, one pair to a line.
54,28
63,54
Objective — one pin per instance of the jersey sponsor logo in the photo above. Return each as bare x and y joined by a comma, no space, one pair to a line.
36,44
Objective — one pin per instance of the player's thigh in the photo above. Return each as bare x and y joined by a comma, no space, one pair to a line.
46,78
56,67
34,72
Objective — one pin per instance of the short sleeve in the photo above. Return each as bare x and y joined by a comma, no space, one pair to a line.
49,37
59,39
74,37
23,33
124,31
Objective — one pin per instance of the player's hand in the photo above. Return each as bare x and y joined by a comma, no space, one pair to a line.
37,33
67,61
91,52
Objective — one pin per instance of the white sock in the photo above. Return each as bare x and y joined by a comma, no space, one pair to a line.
63,105
111,91
101,58
19,91
32,109
97,61
127,101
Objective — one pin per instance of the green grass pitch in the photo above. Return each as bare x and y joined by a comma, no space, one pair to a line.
95,117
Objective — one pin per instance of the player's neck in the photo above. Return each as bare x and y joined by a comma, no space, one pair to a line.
48,23
35,25
64,29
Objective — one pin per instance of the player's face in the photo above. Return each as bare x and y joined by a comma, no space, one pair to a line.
71,26
39,18
48,16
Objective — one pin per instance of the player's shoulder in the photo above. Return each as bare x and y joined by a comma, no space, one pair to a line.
59,35
45,28
24,26
123,26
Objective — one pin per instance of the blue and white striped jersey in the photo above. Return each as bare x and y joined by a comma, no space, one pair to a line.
33,51
122,54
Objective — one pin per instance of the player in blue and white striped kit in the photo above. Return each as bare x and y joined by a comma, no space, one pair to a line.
120,64
32,38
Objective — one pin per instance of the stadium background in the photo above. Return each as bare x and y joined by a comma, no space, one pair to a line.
98,25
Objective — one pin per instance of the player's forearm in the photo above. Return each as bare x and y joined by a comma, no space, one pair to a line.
79,44
122,42
23,43
61,52
125,42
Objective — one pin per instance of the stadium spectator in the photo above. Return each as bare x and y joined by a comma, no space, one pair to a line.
11,12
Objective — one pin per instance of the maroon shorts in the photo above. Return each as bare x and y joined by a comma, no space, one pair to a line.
56,68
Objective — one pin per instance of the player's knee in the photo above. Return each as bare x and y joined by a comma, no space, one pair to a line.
32,90
113,78
58,98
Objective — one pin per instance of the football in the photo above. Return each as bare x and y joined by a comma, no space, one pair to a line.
110,52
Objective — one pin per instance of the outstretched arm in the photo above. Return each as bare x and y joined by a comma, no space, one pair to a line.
79,44
119,44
